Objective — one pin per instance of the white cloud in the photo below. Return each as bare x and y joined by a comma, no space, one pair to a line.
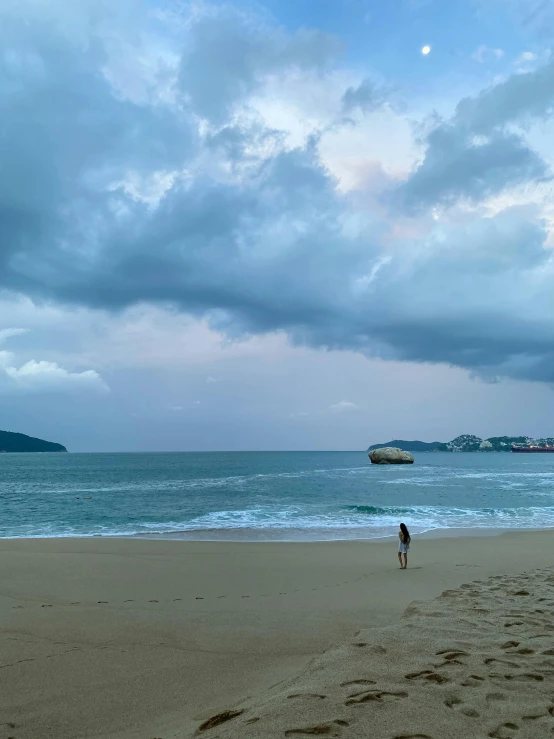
299,105
526,56
211,380
484,53
42,376
7,333
342,406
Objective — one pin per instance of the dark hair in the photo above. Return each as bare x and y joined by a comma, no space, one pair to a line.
406,538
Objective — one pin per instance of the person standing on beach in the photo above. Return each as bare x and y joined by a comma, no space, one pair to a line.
403,545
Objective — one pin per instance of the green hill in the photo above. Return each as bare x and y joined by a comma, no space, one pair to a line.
414,446
467,443
10,442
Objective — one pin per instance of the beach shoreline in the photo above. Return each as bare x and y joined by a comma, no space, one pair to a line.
230,536
270,536
135,638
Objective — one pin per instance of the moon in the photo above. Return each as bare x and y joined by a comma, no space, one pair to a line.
425,50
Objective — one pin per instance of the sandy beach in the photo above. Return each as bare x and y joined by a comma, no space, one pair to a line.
142,639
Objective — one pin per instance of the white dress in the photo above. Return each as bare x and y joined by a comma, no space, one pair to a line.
403,548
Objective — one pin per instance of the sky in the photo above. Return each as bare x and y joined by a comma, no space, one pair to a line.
290,224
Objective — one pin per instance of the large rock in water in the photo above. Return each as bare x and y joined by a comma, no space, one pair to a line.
390,455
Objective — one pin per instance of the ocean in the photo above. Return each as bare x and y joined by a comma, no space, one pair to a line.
289,496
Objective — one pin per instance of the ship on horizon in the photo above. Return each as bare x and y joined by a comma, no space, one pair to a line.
530,449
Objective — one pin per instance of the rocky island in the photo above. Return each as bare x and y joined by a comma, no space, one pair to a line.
12,442
390,455
467,443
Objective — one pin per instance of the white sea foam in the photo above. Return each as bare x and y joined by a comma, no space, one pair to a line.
359,522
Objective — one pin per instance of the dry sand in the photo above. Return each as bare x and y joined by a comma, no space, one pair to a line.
476,661
134,639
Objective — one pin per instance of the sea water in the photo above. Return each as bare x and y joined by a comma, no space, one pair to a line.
270,496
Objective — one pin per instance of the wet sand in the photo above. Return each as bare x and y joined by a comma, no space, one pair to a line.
143,639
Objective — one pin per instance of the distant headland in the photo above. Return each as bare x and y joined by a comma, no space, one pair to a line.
10,442
467,443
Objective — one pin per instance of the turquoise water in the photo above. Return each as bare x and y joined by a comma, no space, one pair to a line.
275,495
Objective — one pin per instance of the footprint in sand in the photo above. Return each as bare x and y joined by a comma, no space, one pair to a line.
504,731
331,729
357,682
103,602
307,695
451,653
495,697
176,599
533,716
526,677
451,657
490,660
457,704
219,718
472,681
371,696
47,605
433,677
153,601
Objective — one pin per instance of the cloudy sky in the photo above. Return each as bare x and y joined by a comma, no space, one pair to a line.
275,225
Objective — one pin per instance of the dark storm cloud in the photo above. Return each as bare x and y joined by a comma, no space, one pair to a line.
265,241
473,155
230,54
518,99
455,169
65,136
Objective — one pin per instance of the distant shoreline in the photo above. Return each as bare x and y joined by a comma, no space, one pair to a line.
466,443
15,443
